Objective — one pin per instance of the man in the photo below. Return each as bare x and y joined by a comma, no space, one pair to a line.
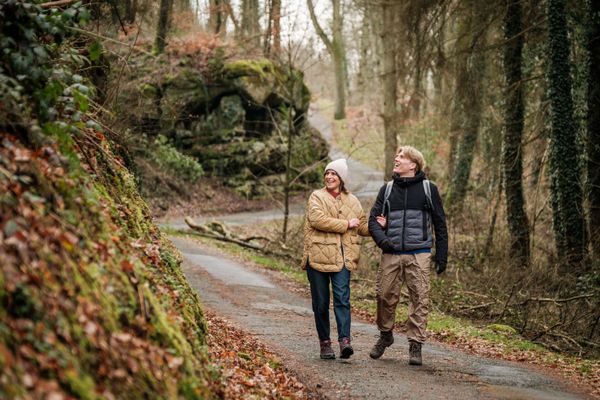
402,229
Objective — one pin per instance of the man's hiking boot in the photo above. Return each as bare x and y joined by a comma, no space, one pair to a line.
346,349
326,350
414,352
385,340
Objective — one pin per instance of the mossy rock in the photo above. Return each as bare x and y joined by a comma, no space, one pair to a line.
500,328
267,83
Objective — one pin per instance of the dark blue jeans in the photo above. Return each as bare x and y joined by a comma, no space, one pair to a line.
319,290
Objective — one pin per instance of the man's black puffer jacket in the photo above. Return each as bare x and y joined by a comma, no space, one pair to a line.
409,226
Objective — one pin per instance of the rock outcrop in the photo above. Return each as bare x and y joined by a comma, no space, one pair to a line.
234,120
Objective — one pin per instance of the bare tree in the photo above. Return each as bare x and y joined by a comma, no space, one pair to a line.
273,36
250,26
218,11
389,81
336,49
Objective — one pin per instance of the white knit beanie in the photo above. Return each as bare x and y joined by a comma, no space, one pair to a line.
340,167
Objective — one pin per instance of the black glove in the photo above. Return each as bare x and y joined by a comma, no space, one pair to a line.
440,267
386,246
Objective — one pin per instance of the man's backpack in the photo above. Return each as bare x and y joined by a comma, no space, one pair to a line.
388,190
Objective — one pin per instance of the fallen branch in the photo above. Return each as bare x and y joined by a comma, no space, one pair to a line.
217,230
58,3
557,301
478,306
219,234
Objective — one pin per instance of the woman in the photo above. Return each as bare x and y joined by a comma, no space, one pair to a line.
334,219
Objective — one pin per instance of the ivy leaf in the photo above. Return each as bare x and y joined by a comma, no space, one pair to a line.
95,50
81,100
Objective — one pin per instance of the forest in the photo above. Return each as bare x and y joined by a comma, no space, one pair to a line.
118,118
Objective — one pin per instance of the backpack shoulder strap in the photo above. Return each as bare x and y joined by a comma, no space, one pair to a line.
427,188
388,190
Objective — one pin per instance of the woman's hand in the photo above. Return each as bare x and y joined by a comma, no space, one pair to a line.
353,223
382,221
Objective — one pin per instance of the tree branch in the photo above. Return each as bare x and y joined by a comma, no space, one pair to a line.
320,31
58,3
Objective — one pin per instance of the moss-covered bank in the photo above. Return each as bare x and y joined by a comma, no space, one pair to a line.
94,303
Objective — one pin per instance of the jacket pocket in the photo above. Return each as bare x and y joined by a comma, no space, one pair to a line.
323,252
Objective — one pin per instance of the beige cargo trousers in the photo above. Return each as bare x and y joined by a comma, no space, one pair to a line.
393,271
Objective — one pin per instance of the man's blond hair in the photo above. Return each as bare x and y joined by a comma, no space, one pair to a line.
413,155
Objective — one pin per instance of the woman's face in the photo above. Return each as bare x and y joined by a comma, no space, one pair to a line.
332,181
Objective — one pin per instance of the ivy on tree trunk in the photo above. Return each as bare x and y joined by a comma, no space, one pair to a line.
564,163
593,123
512,156
469,92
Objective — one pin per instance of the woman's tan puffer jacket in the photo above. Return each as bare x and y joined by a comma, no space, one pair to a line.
328,243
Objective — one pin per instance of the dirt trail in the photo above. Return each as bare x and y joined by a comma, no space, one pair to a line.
257,302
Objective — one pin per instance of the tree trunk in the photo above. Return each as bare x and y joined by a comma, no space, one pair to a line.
273,36
389,81
163,26
339,61
565,171
337,51
512,159
469,94
250,22
593,124
418,50
130,11
217,17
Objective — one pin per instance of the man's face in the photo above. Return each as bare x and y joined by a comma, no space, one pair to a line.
404,166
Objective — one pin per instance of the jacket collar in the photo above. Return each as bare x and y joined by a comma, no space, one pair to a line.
406,181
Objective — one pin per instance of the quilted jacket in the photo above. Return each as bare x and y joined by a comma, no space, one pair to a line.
328,243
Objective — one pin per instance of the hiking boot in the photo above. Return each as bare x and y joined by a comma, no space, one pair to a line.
414,352
386,338
326,350
346,349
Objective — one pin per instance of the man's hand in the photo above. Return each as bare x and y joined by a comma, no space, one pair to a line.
353,223
386,245
440,267
382,221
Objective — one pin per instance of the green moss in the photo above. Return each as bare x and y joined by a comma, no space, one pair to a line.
260,68
82,386
500,328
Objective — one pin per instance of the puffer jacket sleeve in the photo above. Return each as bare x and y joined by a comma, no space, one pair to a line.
439,225
363,226
376,231
318,218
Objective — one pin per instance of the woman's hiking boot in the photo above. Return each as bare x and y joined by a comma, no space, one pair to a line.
414,353
386,338
346,349
326,350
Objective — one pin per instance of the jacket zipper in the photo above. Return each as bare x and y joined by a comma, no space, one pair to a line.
342,241
404,216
